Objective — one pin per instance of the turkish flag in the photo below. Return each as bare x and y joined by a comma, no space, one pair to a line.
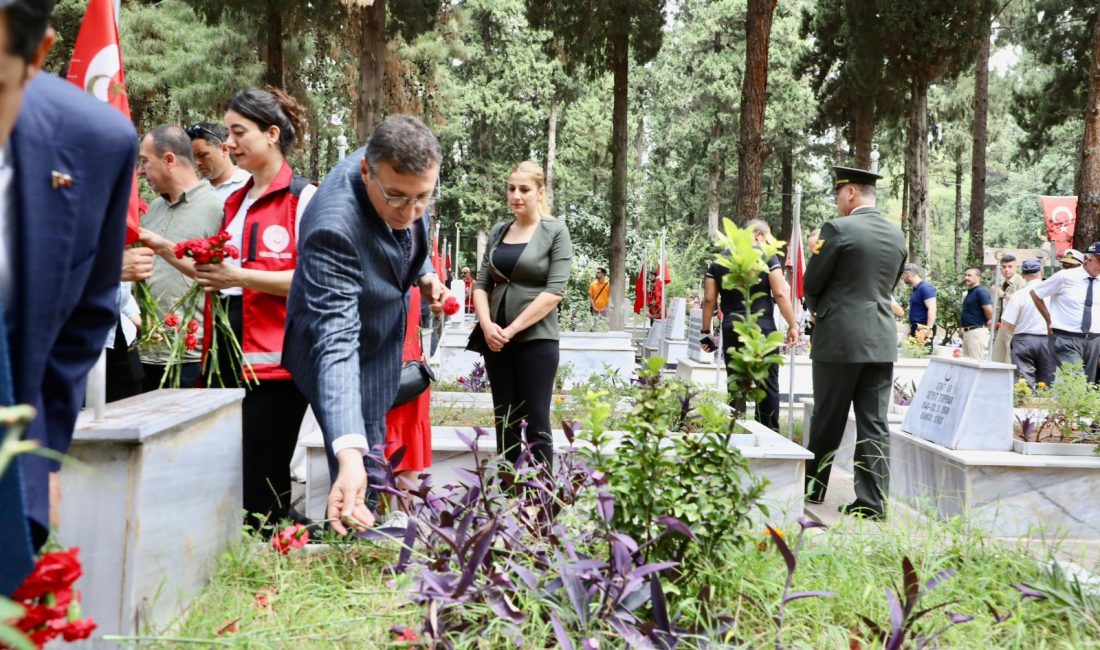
96,67
1060,213
796,261
639,290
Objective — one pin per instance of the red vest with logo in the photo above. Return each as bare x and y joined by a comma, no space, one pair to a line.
268,243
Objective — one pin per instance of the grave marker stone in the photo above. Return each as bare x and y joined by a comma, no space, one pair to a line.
963,404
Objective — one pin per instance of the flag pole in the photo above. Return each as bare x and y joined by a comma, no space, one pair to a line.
796,231
661,274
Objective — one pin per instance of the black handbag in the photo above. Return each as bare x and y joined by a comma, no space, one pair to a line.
476,342
416,377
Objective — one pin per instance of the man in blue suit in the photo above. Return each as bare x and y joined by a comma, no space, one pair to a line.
363,242
66,163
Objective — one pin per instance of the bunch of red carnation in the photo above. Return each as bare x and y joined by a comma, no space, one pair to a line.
51,605
190,335
291,537
209,250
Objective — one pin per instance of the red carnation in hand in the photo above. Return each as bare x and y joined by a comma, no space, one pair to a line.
171,320
451,306
291,537
232,251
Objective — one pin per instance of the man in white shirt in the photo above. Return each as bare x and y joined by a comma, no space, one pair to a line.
1073,319
212,159
1028,331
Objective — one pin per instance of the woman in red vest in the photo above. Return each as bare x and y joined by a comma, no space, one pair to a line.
262,218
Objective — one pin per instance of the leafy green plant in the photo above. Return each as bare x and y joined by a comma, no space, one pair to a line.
915,348
751,359
1076,403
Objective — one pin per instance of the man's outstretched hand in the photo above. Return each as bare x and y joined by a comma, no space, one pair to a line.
347,501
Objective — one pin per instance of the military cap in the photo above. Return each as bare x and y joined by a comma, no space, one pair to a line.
845,175
1072,257
1033,265
1093,249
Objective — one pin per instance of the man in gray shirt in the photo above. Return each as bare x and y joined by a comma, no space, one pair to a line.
186,209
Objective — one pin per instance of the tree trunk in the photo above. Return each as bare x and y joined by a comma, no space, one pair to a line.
786,210
372,58
273,74
863,132
314,150
917,155
958,213
752,151
551,149
1088,174
975,254
714,170
620,139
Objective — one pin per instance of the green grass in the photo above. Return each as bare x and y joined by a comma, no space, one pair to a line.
342,597
339,598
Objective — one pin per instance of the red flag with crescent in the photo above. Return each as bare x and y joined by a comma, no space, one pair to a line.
96,68
1060,213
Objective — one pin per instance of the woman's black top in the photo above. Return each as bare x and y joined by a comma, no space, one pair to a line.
505,258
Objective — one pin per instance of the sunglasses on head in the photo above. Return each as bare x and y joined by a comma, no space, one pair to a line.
200,131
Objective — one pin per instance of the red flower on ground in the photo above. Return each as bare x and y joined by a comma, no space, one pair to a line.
405,634
54,572
451,306
171,320
291,537
262,600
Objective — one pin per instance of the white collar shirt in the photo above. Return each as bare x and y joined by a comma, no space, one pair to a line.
1022,313
1066,291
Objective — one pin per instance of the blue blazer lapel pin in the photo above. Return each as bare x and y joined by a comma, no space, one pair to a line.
61,181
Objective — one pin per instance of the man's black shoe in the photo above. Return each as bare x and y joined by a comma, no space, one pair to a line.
862,511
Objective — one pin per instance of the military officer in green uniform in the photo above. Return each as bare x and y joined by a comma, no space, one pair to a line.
851,273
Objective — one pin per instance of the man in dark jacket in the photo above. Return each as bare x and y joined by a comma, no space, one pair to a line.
849,279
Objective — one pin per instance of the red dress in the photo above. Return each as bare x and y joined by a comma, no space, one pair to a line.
410,424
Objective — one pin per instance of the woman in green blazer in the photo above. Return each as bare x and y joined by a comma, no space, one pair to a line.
519,285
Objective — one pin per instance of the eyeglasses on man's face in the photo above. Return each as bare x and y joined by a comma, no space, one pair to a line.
200,131
402,201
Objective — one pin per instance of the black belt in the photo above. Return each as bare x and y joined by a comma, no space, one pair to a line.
967,328
1078,335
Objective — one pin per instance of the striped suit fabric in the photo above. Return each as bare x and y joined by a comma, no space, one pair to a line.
346,310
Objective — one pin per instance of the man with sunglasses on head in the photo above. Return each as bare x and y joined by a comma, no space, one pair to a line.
212,159
363,242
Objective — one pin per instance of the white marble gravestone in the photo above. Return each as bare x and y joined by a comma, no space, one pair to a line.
674,319
963,404
154,502
695,329
674,345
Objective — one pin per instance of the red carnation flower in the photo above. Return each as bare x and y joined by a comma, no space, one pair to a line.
232,251
193,326
55,571
77,630
957,353
190,341
291,537
451,306
171,320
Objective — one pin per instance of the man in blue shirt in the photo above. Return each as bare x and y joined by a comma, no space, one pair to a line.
922,305
976,317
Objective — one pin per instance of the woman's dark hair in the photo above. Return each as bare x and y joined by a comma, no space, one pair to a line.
27,23
269,107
